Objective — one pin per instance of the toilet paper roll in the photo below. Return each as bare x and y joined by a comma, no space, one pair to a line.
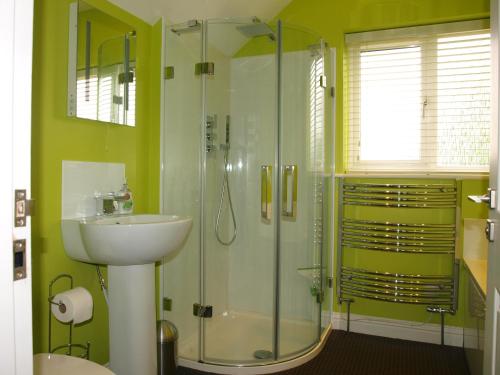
78,306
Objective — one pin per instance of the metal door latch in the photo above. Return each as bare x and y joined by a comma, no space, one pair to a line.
22,207
489,231
19,248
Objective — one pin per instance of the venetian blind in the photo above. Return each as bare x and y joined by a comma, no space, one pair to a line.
419,98
102,99
86,93
317,114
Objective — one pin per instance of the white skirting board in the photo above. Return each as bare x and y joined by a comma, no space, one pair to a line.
397,329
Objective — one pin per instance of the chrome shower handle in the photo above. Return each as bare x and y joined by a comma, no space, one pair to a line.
289,191
266,192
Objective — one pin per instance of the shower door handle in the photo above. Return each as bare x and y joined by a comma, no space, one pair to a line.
266,192
289,191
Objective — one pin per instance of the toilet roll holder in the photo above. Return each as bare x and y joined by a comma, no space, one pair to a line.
62,307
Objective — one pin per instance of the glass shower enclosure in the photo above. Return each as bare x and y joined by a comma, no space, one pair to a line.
244,155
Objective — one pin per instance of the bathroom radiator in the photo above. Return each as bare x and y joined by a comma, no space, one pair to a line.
397,244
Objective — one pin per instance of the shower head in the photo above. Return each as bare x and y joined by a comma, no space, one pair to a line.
257,29
189,27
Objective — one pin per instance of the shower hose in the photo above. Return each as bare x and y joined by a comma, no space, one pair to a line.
225,185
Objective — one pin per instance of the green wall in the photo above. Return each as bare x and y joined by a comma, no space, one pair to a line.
55,137
332,19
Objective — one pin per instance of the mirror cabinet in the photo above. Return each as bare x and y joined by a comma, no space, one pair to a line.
101,68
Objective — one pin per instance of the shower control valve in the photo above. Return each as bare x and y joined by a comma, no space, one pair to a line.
211,122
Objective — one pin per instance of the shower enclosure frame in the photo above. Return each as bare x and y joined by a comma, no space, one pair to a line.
277,363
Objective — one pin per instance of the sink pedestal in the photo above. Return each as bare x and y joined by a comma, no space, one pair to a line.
130,245
132,319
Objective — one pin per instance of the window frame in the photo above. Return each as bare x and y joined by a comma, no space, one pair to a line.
427,38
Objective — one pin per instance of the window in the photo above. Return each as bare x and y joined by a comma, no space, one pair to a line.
419,99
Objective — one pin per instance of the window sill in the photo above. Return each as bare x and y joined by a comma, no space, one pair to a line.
415,174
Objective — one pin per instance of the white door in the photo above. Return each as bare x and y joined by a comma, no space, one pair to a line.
492,337
16,19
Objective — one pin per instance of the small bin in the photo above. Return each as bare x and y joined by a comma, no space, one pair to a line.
166,347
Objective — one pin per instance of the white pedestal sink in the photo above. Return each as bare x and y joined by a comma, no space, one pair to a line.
129,245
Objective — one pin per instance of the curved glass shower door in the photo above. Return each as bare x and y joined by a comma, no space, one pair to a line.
263,192
302,159
240,272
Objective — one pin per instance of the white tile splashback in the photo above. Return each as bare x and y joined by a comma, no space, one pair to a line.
82,180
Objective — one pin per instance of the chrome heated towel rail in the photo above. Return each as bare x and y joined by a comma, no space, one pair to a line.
437,292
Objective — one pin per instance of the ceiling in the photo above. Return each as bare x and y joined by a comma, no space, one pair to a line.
177,11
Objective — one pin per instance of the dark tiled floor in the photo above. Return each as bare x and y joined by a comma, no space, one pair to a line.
357,354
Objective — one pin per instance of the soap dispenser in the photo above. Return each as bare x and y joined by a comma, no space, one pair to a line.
124,199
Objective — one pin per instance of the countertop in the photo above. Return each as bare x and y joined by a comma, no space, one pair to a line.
479,271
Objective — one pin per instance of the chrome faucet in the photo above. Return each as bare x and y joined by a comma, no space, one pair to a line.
107,204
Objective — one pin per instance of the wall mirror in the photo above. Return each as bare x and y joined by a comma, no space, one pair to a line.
101,66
